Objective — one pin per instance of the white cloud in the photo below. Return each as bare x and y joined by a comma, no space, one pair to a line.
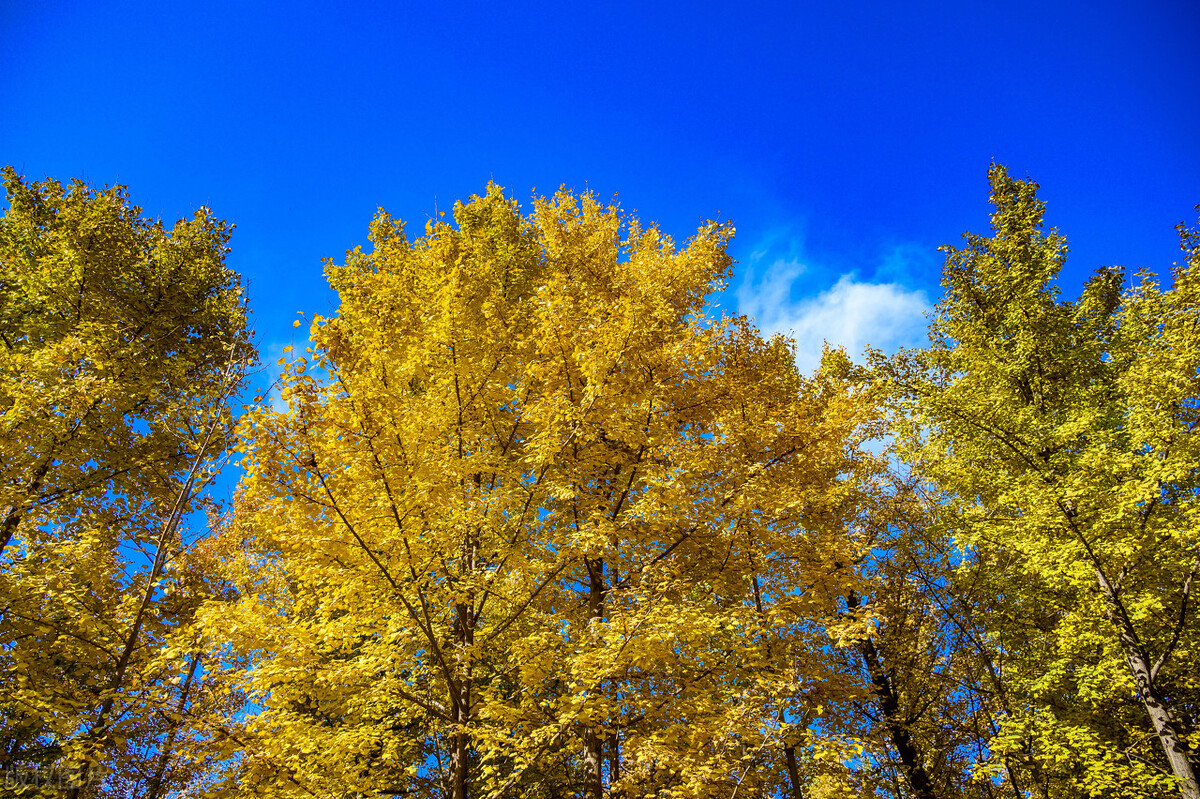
853,314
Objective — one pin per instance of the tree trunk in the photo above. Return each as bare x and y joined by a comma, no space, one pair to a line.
793,772
593,745
1161,718
464,635
458,766
1165,725
12,519
614,759
164,757
885,693
593,741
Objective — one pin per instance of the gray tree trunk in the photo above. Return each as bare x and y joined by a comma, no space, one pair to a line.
1161,718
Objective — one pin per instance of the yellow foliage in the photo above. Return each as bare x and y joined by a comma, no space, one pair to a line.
519,509
120,342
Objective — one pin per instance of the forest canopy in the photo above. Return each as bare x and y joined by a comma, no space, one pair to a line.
527,517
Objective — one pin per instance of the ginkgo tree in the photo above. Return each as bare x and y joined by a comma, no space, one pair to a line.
121,343
1064,435
528,519
533,524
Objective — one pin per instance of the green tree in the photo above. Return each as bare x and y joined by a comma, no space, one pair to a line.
121,342
1065,433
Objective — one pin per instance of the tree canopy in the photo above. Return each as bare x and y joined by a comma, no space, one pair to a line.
1063,435
520,506
122,343
529,516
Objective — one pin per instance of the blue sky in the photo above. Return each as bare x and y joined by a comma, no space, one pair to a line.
845,141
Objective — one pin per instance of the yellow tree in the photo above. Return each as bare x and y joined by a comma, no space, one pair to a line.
120,344
507,537
1066,433
930,673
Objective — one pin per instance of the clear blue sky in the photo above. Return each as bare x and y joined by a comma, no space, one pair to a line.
845,140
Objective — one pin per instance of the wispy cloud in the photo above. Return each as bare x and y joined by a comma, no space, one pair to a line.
271,372
852,313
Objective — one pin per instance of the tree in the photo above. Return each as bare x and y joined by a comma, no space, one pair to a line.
931,668
514,531
122,342
1065,433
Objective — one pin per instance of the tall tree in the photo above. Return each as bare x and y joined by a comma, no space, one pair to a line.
1066,433
121,342
507,536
